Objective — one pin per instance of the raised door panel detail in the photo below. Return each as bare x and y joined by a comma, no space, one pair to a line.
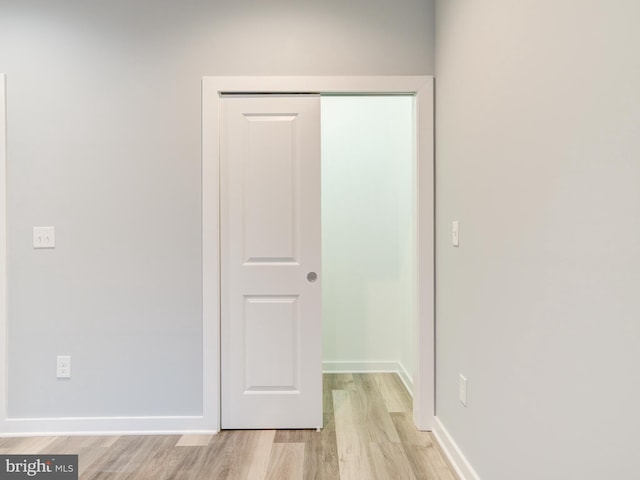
271,344
270,199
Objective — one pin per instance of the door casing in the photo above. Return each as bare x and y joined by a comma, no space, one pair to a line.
422,87
4,350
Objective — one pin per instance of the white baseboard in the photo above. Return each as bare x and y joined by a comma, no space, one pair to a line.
35,427
370,367
456,458
406,379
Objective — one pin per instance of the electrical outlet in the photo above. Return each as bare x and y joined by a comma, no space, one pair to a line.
63,366
462,389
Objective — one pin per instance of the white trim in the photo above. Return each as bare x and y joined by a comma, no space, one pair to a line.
109,433
405,378
424,405
329,366
422,87
3,255
161,425
317,84
456,458
210,259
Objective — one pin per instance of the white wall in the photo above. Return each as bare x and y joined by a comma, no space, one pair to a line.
367,230
104,143
538,147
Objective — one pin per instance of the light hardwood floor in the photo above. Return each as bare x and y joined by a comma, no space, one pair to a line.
368,434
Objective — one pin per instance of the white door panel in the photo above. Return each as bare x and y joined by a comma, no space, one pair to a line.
270,240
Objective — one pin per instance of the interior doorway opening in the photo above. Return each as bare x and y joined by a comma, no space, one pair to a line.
421,87
368,234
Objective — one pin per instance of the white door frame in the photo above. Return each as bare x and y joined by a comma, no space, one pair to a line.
4,350
422,88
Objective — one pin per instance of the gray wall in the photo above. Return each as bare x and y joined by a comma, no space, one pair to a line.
104,143
538,157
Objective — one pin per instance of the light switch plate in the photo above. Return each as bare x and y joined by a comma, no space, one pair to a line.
44,237
455,233
462,389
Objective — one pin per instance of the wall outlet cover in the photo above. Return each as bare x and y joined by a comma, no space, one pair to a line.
63,366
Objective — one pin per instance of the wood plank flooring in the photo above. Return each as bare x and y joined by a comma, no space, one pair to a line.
368,435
